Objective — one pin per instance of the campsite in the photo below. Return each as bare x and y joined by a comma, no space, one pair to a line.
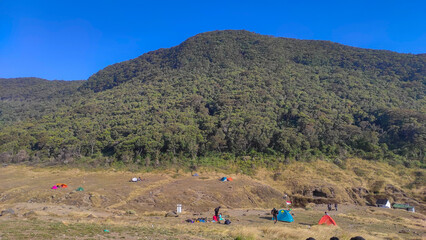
130,210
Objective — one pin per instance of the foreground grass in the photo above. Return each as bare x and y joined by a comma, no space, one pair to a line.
40,229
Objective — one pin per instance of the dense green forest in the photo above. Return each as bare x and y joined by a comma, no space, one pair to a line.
23,98
226,96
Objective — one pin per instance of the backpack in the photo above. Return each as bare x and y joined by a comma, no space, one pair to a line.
227,222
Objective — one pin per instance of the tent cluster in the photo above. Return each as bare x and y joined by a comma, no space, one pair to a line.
134,179
225,179
285,216
63,185
60,185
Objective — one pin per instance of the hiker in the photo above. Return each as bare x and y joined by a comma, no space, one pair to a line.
274,213
139,179
216,213
329,207
335,206
326,213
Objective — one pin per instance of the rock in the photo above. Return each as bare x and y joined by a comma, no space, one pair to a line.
91,216
45,208
404,231
7,211
130,212
30,214
172,214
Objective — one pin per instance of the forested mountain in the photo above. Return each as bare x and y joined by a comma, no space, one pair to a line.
235,93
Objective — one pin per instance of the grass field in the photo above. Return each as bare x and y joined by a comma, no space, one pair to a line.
137,210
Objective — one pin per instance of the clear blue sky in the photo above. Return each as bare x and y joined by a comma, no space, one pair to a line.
74,39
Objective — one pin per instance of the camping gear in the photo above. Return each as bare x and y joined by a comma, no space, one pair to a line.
179,208
215,218
134,179
79,189
403,206
61,185
227,222
230,179
327,220
106,230
55,187
284,216
195,175
223,179
220,217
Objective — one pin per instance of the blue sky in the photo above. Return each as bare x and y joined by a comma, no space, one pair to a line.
73,39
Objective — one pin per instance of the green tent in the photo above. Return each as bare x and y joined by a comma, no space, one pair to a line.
79,189
404,206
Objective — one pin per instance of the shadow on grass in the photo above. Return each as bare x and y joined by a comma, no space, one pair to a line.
306,224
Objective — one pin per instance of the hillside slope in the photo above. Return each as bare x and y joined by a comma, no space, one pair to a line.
238,93
23,98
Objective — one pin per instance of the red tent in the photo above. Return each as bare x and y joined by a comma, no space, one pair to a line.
327,220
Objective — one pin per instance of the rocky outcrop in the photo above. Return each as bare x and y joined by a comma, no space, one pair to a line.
316,191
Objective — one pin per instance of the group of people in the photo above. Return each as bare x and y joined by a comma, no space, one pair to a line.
218,217
329,206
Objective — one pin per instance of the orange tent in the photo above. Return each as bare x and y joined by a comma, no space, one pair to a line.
327,220
61,185
230,179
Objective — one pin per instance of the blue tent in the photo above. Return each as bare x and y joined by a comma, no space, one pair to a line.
284,216
223,179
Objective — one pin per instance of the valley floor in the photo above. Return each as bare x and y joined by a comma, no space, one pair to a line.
137,210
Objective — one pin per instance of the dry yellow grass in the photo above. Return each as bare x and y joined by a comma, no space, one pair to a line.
108,196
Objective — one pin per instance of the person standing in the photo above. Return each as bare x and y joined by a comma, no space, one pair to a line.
329,207
274,213
216,213
335,206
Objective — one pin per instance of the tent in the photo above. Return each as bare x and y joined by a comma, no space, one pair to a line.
327,220
384,203
61,185
195,175
224,179
55,187
230,179
284,216
79,189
